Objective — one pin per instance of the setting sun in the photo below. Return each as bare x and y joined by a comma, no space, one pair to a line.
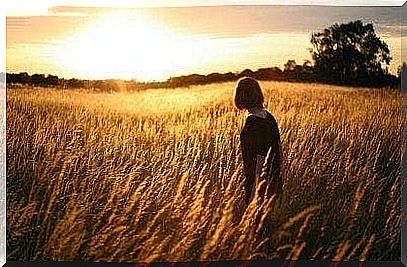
128,46
199,132
118,45
97,41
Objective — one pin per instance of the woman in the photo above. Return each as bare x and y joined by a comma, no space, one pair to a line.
259,139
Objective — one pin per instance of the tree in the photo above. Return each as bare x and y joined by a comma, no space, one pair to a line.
52,80
401,68
350,53
290,65
38,79
246,73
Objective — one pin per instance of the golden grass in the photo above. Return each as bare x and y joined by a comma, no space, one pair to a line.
157,175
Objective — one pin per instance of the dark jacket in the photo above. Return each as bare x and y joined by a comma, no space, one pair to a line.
260,143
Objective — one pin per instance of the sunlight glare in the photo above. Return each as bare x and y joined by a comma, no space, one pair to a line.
128,46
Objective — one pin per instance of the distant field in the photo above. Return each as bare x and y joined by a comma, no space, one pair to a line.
157,175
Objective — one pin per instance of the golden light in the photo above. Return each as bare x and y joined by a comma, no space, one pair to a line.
129,46
22,7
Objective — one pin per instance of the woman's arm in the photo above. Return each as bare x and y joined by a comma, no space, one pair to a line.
272,163
249,159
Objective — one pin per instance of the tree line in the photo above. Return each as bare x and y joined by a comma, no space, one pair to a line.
348,54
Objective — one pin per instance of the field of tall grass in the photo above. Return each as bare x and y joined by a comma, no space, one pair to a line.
156,175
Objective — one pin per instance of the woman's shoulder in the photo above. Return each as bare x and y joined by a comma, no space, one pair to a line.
253,119
271,121
270,116
250,125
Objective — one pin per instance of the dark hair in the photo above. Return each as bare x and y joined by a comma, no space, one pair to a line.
248,94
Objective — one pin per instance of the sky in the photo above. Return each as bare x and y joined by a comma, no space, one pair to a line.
40,7
195,60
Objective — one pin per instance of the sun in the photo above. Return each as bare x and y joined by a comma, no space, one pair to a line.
127,46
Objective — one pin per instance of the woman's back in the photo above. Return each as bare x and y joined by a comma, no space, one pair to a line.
261,133
259,139
261,151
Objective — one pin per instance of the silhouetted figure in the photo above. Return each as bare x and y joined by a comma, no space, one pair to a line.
259,139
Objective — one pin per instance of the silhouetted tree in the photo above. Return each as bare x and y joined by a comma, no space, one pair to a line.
246,73
38,79
350,53
290,65
268,74
20,78
294,72
307,66
402,68
75,83
52,80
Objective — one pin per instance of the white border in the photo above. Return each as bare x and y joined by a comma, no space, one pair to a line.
3,217
58,2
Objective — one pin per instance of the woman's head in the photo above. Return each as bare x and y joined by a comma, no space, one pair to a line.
248,94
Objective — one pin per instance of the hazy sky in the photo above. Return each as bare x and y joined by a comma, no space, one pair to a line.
40,7
175,42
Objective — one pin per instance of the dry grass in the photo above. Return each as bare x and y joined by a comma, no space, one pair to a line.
156,175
